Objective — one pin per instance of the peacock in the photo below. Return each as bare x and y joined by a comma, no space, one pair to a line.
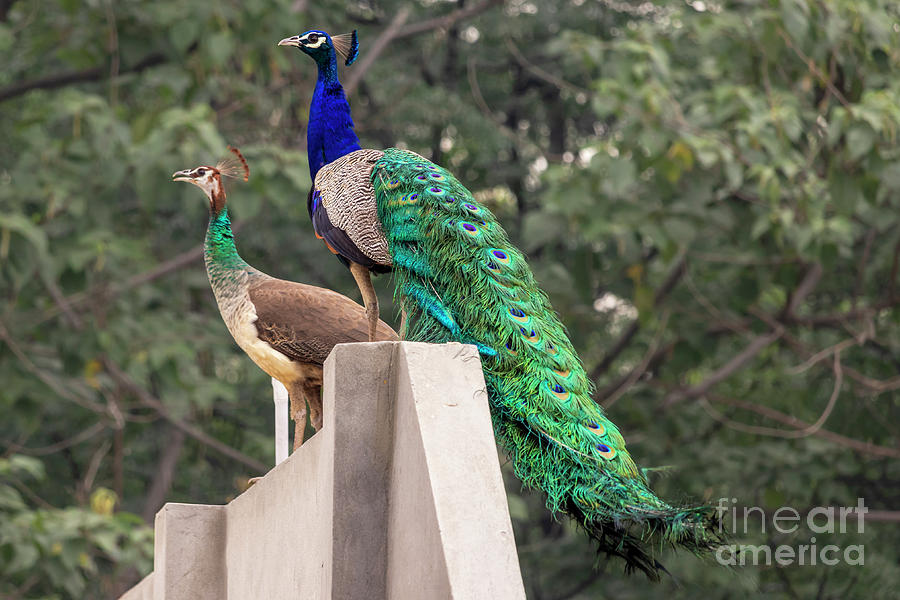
330,132
457,277
286,328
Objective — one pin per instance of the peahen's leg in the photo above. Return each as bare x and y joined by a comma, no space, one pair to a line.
364,281
298,398
314,398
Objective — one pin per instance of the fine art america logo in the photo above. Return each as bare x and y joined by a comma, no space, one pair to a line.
787,520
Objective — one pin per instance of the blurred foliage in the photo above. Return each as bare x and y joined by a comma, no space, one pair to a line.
707,190
63,549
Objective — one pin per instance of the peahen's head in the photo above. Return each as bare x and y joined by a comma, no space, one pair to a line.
322,47
209,179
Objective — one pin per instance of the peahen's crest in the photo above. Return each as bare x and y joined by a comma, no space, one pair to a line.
234,166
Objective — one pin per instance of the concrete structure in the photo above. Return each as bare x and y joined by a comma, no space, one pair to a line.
399,496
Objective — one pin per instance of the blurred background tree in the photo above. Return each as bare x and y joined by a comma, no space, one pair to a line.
707,190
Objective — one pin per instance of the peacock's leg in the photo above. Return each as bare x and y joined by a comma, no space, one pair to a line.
298,412
314,398
402,323
364,281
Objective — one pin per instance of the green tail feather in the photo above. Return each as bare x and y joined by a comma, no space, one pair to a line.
459,279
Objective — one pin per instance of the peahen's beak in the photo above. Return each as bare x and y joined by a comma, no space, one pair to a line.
294,40
182,175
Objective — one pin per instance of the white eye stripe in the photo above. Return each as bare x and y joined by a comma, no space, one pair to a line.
315,44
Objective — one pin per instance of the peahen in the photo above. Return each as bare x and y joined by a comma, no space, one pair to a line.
458,278
286,328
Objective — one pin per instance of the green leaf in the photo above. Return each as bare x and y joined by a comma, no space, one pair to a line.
795,15
860,138
219,47
183,33
18,223
10,499
19,464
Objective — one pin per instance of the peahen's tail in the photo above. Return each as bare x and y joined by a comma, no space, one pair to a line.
459,279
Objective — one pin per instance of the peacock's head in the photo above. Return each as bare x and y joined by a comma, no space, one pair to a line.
322,47
209,179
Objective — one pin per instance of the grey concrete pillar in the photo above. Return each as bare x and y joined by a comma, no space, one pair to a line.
187,552
450,532
358,401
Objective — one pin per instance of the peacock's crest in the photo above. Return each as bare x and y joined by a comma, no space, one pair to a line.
347,45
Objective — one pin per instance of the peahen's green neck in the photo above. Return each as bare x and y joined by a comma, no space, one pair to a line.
222,259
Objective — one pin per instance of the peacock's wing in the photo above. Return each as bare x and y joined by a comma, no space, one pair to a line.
459,278
305,322
343,210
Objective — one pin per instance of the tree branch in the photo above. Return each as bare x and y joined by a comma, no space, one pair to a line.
165,470
624,340
62,390
850,315
800,433
811,65
798,295
446,20
176,263
641,368
791,421
151,401
45,450
737,362
890,516
863,263
62,304
542,74
77,299
804,288
878,386
62,79
375,51
645,366
396,31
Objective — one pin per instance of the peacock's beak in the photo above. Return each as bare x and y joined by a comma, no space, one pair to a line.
294,40
182,175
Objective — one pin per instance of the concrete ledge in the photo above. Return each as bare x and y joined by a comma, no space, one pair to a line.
183,564
398,496
142,591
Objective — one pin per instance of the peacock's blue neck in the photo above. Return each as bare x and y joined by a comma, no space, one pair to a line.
220,253
329,135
